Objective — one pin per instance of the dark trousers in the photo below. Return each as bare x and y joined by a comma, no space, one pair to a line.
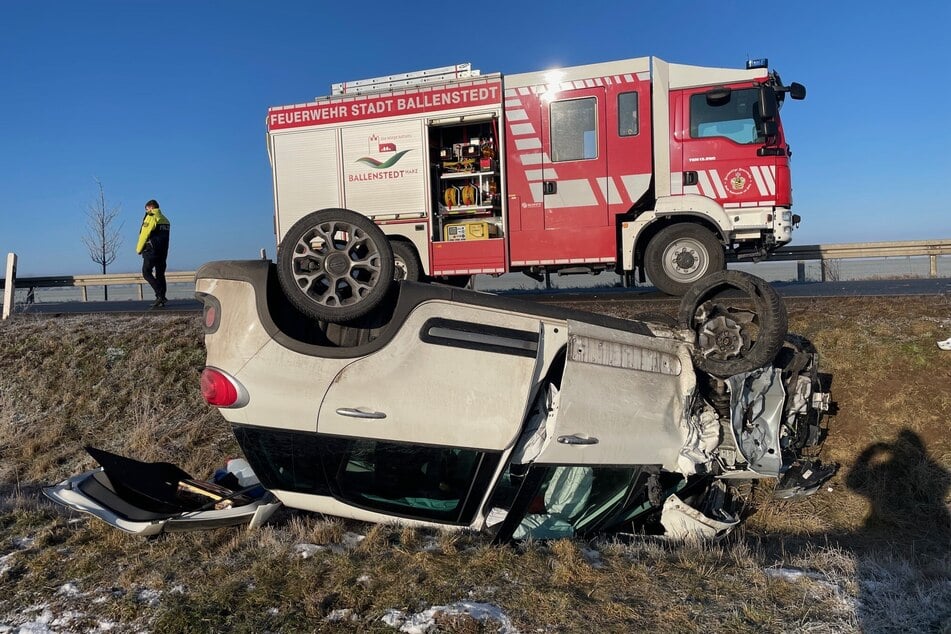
150,262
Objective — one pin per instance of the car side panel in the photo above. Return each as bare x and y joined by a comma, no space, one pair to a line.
455,375
285,386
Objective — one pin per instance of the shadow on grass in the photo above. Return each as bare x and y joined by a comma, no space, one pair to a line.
903,549
909,520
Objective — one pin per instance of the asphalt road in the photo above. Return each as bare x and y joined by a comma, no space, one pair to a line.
860,288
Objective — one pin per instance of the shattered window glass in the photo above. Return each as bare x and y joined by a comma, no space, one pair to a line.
573,499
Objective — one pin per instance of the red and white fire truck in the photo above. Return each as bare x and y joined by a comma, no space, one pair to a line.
638,166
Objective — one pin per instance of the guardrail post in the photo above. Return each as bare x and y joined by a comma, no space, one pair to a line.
85,294
9,285
801,271
139,287
934,265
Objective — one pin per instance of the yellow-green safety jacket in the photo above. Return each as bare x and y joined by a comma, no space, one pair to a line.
153,220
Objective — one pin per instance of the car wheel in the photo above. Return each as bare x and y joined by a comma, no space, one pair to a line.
680,255
729,339
335,265
406,263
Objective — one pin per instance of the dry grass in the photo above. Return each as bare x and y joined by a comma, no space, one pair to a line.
870,554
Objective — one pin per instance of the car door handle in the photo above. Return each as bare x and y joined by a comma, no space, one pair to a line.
549,187
360,412
575,439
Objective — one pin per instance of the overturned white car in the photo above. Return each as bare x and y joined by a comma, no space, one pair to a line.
423,404
357,396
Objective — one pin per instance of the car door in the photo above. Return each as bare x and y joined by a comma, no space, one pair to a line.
622,400
418,428
455,375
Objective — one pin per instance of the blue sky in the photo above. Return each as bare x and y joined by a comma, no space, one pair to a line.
167,100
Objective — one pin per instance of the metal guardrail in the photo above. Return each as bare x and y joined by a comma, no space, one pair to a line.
856,250
797,253
85,281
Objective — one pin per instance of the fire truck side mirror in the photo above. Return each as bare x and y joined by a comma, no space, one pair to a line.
797,91
718,96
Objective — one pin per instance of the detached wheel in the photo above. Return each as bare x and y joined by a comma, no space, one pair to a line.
335,265
680,255
731,340
406,263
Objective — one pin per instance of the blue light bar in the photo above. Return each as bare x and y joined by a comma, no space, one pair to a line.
762,62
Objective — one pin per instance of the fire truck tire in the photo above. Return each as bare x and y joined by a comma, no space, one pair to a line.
681,254
335,265
730,338
406,262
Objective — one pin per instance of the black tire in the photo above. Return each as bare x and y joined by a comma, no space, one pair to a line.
406,262
731,340
335,265
680,255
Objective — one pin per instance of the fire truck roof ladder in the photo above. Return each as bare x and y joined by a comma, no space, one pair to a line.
402,80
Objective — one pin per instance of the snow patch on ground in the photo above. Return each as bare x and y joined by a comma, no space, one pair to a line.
305,551
149,597
349,541
69,589
425,621
339,616
593,557
819,584
23,543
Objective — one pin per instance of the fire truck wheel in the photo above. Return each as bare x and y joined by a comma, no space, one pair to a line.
681,254
407,264
730,339
335,265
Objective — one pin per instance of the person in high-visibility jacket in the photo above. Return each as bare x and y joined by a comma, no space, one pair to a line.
153,247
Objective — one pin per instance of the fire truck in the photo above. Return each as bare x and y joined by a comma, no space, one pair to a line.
654,170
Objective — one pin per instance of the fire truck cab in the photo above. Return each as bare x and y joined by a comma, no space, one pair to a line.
656,171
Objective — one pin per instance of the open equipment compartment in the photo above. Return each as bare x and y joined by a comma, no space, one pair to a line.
467,193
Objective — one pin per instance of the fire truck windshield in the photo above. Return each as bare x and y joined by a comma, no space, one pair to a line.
735,117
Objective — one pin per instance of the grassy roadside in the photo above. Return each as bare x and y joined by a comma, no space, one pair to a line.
870,554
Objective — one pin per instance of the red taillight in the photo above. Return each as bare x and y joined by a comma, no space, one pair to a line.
211,312
217,389
211,316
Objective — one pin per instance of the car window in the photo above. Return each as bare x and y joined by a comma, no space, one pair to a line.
564,501
284,460
431,483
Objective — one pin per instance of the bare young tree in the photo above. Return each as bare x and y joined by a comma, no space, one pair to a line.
102,237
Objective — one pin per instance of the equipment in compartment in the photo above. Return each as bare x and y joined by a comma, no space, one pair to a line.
470,230
466,178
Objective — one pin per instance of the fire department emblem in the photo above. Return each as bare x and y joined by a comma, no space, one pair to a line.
738,181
